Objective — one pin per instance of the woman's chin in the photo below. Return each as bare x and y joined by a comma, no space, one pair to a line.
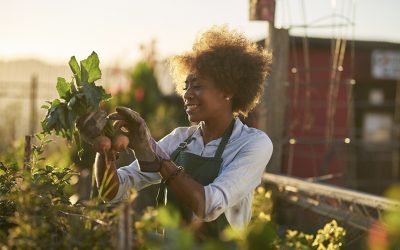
193,119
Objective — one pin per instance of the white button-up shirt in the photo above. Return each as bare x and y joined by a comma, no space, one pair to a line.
244,160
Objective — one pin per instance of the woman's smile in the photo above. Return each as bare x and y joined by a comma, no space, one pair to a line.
190,108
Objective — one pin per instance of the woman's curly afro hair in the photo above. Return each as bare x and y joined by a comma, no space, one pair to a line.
236,65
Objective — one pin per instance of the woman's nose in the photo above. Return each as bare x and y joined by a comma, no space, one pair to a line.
188,93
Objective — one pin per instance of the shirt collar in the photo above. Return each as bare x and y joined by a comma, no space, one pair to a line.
237,128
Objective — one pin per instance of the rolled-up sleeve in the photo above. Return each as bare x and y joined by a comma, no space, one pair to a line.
131,177
239,178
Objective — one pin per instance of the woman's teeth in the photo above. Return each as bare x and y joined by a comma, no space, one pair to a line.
191,107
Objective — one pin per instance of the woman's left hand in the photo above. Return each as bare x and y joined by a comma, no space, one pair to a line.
130,123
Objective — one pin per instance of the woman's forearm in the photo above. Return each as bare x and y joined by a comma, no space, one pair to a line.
189,191
106,177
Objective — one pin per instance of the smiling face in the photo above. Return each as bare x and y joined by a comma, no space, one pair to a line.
204,101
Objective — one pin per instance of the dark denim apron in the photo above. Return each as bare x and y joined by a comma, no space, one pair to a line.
203,170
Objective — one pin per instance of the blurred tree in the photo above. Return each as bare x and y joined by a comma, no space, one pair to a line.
162,113
144,95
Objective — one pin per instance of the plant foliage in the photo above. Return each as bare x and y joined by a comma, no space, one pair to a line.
77,98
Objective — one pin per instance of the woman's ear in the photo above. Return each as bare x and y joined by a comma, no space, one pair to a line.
228,96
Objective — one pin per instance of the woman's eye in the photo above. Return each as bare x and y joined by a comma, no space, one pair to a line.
197,87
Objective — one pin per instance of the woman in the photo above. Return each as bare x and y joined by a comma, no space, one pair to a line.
210,169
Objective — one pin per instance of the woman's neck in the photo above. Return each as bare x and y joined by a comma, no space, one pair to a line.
212,130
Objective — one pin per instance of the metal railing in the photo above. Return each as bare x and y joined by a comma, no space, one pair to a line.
358,209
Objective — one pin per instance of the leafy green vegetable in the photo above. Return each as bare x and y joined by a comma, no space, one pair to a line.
63,88
73,64
90,69
94,94
77,98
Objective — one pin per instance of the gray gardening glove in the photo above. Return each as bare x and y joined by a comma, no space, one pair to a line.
131,124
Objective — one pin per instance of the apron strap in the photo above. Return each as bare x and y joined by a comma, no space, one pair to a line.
224,140
182,145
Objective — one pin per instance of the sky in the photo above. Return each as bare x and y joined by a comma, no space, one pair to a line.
54,30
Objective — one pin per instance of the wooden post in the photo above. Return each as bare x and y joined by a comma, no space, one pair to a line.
27,152
396,147
33,104
125,241
273,107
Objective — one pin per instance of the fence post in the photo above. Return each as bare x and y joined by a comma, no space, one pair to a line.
396,146
27,152
125,241
272,110
33,104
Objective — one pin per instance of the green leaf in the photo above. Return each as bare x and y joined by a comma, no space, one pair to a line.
94,94
40,136
49,169
63,88
51,118
55,103
62,116
68,135
73,64
90,69
47,141
77,105
71,103
71,117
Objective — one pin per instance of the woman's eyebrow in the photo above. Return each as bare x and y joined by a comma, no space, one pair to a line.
190,78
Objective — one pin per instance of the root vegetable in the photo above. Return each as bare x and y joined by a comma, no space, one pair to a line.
120,143
102,144
92,125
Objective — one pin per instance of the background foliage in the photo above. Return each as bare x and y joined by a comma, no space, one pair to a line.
39,210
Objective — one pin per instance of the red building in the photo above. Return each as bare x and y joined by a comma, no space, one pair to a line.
342,120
